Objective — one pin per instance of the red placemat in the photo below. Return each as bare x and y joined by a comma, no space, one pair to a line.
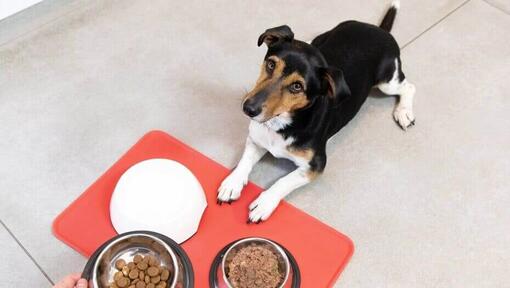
320,251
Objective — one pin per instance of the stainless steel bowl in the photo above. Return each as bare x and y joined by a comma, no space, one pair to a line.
283,260
126,247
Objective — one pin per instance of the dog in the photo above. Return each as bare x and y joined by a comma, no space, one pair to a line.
306,93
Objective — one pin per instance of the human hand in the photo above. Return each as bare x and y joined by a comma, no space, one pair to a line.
72,281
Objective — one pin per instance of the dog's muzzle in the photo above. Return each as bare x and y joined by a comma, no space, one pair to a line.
251,109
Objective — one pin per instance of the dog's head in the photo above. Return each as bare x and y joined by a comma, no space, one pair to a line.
293,75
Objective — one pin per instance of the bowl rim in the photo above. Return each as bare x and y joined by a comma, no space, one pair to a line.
137,234
257,239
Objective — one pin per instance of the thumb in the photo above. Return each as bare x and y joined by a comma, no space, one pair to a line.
82,283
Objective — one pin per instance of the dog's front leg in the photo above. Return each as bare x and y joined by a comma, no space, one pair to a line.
230,188
266,203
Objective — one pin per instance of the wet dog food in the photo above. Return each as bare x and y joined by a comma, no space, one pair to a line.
254,266
142,272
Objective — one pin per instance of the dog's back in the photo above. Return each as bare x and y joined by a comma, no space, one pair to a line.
365,53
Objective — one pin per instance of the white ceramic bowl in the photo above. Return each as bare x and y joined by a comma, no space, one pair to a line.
158,195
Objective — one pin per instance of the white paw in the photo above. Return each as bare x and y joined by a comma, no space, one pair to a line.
230,188
404,117
263,207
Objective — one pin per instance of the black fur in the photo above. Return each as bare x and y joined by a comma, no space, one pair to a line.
276,34
389,19
356,56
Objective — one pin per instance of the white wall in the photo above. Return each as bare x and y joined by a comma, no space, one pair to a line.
9,7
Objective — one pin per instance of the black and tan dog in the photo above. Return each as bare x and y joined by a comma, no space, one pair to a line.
306,93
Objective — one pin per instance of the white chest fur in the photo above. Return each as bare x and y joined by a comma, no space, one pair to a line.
274,143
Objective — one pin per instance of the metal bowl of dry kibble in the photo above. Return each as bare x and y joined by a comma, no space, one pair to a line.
139,259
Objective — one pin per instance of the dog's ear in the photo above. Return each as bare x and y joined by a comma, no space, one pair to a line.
334,82
276,34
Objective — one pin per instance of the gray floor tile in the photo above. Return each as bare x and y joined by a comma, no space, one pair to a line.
36,17
500,4
77,93
16,268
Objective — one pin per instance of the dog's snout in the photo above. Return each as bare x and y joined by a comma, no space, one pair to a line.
251,108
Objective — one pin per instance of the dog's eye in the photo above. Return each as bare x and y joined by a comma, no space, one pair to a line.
296,87
270,64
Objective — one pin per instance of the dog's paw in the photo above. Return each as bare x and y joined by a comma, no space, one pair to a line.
263,207
230,188
404,117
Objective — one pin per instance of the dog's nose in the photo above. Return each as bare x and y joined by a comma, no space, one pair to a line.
250,109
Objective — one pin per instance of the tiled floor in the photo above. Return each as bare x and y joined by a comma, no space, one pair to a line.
81,81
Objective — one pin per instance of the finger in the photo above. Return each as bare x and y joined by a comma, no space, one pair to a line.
68,281
82,283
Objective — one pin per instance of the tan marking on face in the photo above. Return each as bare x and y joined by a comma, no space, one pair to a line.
294,77
290,101
277,72
265,79
280,99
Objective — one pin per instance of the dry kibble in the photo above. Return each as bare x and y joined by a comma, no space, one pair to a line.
119,264
117,275
125,271
153,271
155,279
142,272
142,265
137,259
165,274
153,261
133,274
122,282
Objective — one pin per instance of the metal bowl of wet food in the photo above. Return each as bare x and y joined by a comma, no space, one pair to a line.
139,259
255,262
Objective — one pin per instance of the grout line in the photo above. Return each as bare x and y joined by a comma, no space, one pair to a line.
26,252
497,7
435,24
